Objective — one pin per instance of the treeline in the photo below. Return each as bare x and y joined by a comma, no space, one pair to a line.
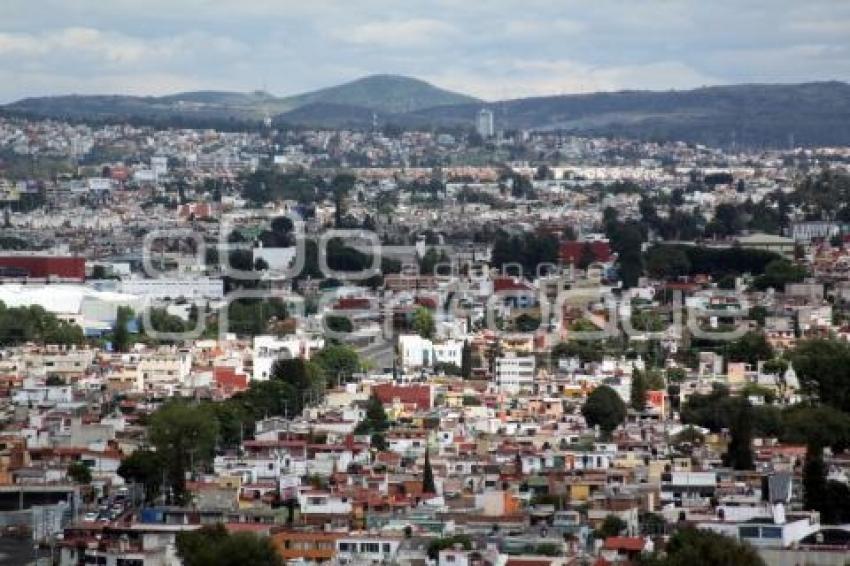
798,424
528,250
670,261
823,369
19,325
165,121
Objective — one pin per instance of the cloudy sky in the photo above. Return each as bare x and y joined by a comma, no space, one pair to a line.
489,48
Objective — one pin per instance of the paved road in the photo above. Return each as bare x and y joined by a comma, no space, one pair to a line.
17,552
380,354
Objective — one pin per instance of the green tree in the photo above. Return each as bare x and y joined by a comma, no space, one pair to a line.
121,336
526,323
626,240
692,547
428,485
337,360
436,545
376,417
79,473
304,378
676,374
739,453
639,389
751,348
184,435
711,410
585,351
611,526
604,408
816,425
466,360
143,467
814,479
778,273
162,321
378,441
423,322
837,508
338,323
430,260
823,367
249,317
665,262
34,324
688,435
212,545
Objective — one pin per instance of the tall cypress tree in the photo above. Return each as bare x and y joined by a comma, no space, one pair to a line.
121,337
814,479
739,454
638,391
466,361
428,485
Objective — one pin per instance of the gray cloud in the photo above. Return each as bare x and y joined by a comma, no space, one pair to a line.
494,49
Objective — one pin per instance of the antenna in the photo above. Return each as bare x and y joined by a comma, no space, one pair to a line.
264,107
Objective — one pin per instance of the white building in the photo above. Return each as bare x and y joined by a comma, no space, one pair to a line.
173,288
315,502
514,373
484,123
418,352
33,394
415,351
164,367
269,349
367,549
91,309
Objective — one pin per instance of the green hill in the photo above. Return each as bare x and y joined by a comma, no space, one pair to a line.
745,115
385,94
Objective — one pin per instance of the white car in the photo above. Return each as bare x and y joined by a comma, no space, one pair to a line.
91,516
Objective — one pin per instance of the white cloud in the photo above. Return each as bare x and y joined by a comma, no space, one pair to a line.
496,49
22,84
517,78
111,47
398,33
526,28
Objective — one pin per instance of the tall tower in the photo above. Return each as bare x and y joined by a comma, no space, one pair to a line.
484,123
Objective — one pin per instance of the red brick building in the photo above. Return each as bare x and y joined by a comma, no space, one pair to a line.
418,395
571,252
43,267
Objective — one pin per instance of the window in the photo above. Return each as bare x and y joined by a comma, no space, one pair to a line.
386,548
771,532
748,532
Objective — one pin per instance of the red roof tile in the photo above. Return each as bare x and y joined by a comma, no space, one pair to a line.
629,544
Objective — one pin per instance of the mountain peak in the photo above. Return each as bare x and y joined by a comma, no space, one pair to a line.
383,93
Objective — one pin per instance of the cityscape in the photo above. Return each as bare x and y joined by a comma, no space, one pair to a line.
599,319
